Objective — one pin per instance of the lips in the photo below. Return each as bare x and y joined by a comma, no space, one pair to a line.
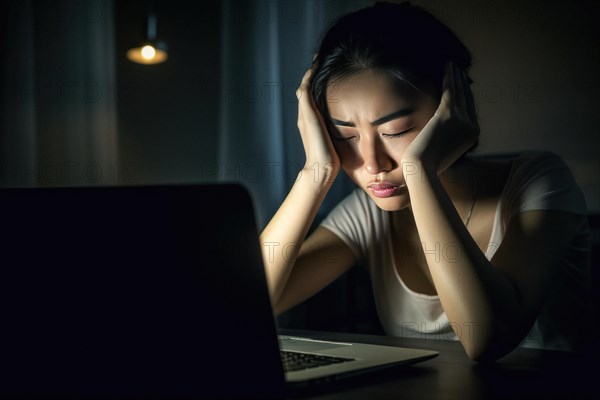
384,189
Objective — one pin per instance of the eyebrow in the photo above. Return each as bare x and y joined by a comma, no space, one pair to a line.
397,114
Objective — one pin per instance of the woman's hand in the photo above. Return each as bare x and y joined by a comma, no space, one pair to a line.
321,157
452,130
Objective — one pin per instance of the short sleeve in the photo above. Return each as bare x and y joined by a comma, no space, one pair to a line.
542,181
349,220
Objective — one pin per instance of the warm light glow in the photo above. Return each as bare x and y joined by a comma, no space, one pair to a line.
148,52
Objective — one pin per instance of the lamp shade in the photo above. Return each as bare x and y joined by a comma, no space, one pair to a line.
150,51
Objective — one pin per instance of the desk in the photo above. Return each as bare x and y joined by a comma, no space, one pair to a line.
524,373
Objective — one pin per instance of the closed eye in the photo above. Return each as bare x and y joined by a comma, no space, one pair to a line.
342,139
396,135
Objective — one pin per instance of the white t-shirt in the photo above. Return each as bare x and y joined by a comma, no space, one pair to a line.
537,181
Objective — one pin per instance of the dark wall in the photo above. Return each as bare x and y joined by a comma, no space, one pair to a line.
535,72
534,68
168,113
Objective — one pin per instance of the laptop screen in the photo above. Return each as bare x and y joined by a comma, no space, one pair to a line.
142,290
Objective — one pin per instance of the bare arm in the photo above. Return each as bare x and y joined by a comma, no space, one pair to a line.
283,239
323,258
491,304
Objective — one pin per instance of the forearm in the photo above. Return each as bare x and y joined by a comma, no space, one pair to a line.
478,299
282,238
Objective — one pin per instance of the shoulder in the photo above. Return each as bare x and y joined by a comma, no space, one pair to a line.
541,180
512,165
538,162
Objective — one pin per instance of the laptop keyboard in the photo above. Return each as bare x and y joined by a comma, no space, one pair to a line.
295,361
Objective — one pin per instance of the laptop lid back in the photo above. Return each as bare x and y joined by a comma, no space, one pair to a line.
143,290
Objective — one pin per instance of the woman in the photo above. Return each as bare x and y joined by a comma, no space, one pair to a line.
494,254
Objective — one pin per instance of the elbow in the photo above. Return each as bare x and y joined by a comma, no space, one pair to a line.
479,344
495,339
481,354
473,353
277,311
488,351
279,308
476,352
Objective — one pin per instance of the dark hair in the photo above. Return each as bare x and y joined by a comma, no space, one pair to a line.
403,40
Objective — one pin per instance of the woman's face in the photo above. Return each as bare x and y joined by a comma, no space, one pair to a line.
374,120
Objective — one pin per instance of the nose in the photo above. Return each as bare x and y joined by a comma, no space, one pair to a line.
375,158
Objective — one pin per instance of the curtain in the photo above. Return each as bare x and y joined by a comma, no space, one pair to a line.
58,115
267,47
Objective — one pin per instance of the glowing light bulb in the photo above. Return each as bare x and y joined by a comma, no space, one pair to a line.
148,52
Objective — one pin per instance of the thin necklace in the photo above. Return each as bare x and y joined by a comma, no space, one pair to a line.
473,203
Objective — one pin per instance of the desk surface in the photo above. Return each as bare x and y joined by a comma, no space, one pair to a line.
526,373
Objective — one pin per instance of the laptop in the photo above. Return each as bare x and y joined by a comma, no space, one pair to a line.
149,291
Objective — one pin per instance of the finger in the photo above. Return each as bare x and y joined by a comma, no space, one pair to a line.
304,95
446,100
447,76
304,84
470,100
459,100
305,100
307,76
